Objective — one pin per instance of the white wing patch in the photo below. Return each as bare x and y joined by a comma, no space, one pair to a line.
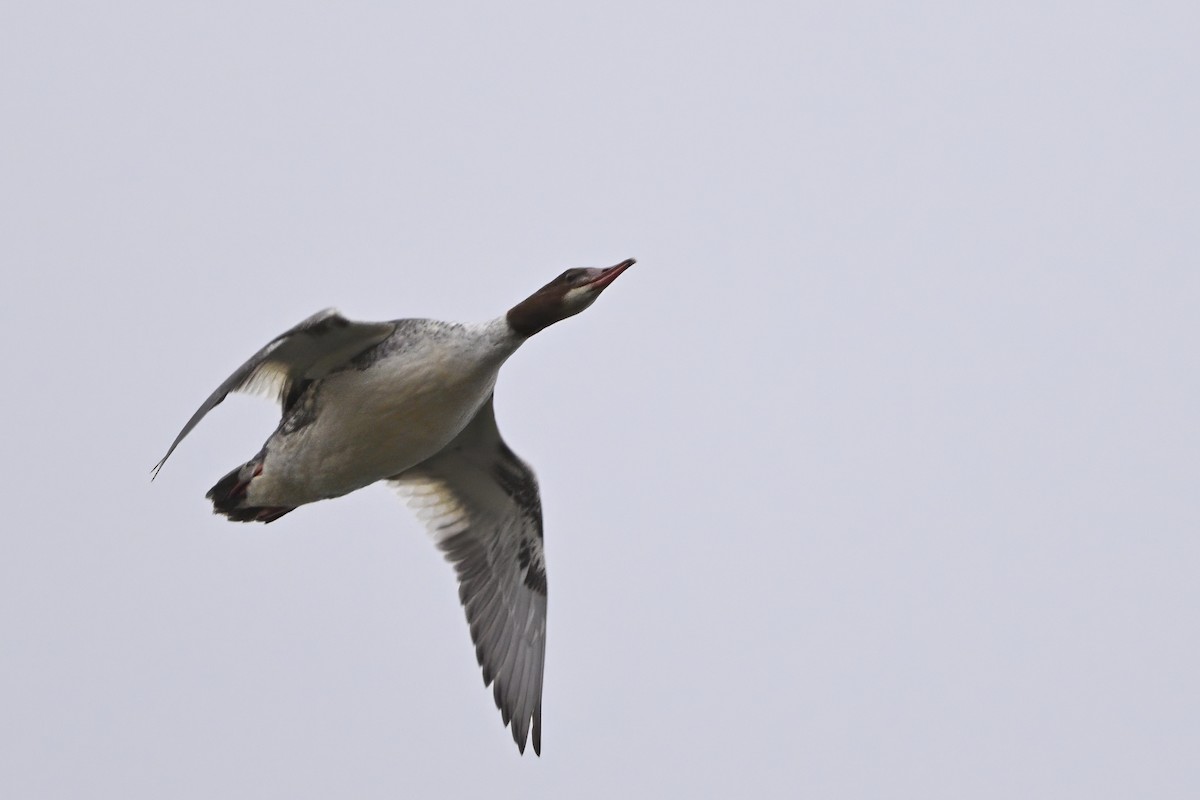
435,505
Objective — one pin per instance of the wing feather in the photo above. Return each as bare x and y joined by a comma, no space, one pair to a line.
321,344
480,502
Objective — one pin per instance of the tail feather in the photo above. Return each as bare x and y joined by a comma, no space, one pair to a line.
229,495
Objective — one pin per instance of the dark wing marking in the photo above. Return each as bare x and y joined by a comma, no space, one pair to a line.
481,505
319,345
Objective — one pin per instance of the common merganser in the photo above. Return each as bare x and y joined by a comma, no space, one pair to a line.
410,402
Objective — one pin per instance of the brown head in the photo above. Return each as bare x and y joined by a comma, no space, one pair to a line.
563,297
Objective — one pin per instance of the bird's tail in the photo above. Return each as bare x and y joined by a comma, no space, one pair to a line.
230,493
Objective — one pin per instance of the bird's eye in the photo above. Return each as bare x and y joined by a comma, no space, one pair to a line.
571,275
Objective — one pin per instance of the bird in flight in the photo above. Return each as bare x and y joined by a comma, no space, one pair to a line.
410,402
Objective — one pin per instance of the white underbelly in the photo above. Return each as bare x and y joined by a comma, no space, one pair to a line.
370,425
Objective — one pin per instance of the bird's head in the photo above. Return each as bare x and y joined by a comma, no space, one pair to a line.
565,296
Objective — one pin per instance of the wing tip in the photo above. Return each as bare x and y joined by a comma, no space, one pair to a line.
158,467
537,731
521,733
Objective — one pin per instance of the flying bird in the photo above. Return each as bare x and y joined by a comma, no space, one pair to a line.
410,402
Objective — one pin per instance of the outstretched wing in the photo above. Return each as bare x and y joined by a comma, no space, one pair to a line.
481,504
316,347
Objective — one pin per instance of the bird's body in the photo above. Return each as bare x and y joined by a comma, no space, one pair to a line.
410,402
389,409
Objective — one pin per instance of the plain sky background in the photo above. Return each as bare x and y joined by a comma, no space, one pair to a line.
876,477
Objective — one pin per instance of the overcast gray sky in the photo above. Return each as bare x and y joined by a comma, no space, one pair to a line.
876,477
